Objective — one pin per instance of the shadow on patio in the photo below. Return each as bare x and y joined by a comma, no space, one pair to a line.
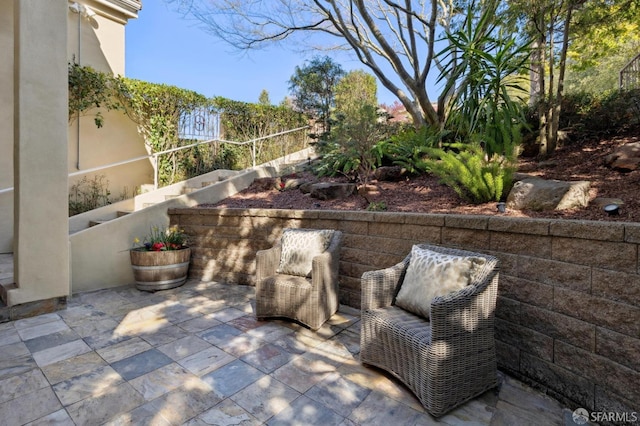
196,355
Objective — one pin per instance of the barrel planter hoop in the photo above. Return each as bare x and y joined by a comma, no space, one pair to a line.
160,270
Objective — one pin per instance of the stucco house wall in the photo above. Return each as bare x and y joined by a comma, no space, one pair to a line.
34,143
95,36
6,125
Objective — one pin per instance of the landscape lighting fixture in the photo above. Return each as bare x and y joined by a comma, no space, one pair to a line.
612,209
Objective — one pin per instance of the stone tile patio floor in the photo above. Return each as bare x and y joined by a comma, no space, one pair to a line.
196,355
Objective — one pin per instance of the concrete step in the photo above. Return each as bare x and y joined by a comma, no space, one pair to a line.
190,189
97,222
123,213
147,187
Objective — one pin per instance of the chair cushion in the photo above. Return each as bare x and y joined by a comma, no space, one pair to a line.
431,274
299,247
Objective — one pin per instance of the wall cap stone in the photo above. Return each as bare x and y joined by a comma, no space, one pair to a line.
467,221
517,225
590,230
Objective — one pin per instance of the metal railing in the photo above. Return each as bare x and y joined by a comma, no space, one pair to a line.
630,74
154,156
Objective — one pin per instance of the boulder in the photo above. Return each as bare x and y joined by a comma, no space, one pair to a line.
389,173
332,190
305,188
540,194
294,183
626,158
267,183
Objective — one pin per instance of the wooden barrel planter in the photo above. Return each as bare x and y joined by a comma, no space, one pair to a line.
160,270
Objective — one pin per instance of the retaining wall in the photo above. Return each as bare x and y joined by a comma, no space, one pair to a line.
568,310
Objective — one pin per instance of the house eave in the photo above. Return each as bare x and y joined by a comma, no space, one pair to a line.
118,10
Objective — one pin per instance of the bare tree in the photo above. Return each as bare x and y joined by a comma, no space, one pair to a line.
395,39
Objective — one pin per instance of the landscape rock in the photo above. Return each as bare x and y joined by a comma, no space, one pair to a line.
389,173
266,183
305,188
332,190
293,183
539,194
626,158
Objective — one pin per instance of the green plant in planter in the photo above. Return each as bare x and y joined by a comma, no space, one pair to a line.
162,239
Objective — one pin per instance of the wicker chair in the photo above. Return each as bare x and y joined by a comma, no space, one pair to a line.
310,301
445,361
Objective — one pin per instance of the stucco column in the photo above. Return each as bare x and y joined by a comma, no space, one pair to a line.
6,124
41,229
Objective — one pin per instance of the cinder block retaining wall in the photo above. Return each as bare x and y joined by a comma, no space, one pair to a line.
568,311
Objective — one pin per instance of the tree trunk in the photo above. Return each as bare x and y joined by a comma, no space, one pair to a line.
555,124
541,48
535,79
551,98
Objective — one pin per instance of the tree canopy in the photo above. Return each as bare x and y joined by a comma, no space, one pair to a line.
394,40
399,41
313,86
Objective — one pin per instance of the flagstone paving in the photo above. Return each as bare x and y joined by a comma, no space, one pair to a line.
196,355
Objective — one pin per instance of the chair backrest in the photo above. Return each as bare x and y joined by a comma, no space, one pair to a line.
480,276
300,246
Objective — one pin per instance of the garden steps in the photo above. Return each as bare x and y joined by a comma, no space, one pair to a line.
119,213
97,222
148,197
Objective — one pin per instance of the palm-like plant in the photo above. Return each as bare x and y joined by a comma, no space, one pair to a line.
485,116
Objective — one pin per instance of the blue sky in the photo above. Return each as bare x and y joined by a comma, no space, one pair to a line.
164,47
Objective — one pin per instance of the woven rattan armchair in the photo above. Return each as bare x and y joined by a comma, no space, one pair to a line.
445,361
308,300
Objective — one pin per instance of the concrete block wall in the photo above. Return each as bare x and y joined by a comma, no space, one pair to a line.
568,310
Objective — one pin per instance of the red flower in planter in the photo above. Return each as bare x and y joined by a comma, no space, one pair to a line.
158,247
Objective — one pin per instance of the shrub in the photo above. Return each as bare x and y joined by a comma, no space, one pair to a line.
586,114
350,148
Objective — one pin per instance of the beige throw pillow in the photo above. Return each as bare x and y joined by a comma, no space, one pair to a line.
299,247
431,274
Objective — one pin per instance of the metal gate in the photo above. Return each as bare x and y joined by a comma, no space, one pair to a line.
200,124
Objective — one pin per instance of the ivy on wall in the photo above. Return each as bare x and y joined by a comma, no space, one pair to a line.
89,90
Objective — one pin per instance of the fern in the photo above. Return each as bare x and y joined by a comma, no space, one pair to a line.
465,169
408,149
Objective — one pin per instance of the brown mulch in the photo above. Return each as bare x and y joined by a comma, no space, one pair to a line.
574,161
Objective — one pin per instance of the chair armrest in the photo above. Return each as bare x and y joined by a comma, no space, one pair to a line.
267,262
325,266
380,287
468,310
